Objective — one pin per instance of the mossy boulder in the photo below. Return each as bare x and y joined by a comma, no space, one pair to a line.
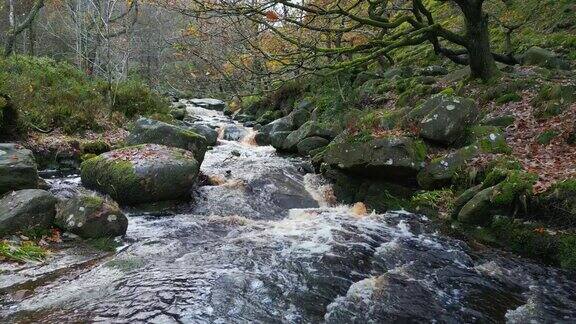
309,129
553,100
377,195
310,144
544,58
209,103
91,216
179,113
18,168
26,209
446,118
94,147
262,139
209,133
148,131
391,157
557,206
440,172
499,121
490,139
141,174
277,139
500,194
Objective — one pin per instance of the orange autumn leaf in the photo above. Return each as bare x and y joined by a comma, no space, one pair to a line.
271,15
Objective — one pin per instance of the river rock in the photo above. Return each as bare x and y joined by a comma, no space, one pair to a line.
262,139
26,209
148,131
310,144
17,168
209,103
178,113
277,139
544,58
389,158
208,132
446,118
479,209
441,171
234,133
309,129
141,174
283,124
91,216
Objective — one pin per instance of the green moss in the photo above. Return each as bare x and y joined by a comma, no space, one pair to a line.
87,156
419,150
569,185
163,117
116,171
448,91
547,136
490,139
525,239
508,97
437,199
567,252
92,201
26,251
515,184
94,147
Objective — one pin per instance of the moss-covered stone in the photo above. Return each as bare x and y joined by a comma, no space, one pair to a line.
147,131
446,118
391,157
309,129
502,192
553,100
94,147
547,136
91,216
500,121
143,173
490,139
544,58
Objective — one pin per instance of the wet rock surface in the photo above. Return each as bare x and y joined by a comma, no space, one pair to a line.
148,131
244,252
141,174
17,168
26,209
91,216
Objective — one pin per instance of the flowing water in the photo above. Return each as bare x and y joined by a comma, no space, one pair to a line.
265,243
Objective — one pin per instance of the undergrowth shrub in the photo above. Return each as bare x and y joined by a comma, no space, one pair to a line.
49,94
133,97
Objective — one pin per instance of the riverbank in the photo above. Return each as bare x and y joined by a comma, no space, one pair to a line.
494,161
264,240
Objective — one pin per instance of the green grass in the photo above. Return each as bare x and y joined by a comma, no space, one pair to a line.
27,251
104,244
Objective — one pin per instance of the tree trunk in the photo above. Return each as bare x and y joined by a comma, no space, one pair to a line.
31,40
482,63
15,30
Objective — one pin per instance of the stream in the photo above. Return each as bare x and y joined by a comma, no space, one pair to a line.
264,242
